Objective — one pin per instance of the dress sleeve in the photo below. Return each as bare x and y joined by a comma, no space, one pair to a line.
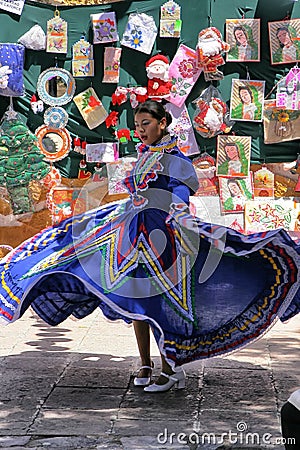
183,180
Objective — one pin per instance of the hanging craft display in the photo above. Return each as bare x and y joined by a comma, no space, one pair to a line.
243,36
280,125
112,57
140,33
34,39
234,192
91,108
288,91
56,117
247,99
56,86
79,146
64,202
104,27
11,70
182,127
183,74
170,21
36,104
102,152
83,172
284,41
265,215
159,85
57,38
54,143
211,116
116,173
233,156
21,162
210,48
82,62
205,168
263,183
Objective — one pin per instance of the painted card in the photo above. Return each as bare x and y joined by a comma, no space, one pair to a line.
233,156
104,27
234,192
64,202
243,36
102,152
247,99
182,127
116,172
284,37
263,183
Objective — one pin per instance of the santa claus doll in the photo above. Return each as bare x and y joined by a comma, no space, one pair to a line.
210,48
159,85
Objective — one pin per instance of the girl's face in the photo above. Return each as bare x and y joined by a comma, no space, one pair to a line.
245,96
149,129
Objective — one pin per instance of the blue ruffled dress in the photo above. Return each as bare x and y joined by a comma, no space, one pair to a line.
206,290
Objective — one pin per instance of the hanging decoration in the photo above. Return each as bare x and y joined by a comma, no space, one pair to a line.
234,193
247,99
53,178
34,39
91,108
205,167
183,73
83,173
56,86
233,156
20,160
263,183
57,38
116,173
102,152
288,94
211,116
210,48
182,127
104,27
280,125
157,68
54,143
11,70
140,33
36,104
112,57
170,20
82,62
56,117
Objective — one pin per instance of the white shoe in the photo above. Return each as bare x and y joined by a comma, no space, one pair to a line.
143,381
177,379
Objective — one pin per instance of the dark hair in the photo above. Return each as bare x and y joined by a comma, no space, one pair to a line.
239,27
281,44
246,88
156,109
234,181
231,144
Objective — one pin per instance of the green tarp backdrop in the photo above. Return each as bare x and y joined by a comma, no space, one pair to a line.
196,15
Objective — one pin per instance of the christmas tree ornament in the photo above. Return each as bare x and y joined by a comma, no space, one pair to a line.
140,33
83,173
104,27
182,127
56,117
170,20
21,162
112,58
77,145
82,62
91,108
210,48
211,116
34,39
11,70
36,104
83,147
57,38
119,96
97,175
183,73
54,143
157,68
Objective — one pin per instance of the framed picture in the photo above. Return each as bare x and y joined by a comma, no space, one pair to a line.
284,41
233,156
243,36
247,98
234,192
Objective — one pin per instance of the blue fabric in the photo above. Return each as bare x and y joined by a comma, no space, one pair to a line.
206,290
12,58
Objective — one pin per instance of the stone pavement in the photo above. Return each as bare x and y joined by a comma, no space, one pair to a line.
71,387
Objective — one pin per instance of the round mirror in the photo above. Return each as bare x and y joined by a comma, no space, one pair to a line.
56,86
54,143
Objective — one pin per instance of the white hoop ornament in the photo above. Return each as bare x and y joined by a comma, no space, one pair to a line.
54,143
56,117
56,86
